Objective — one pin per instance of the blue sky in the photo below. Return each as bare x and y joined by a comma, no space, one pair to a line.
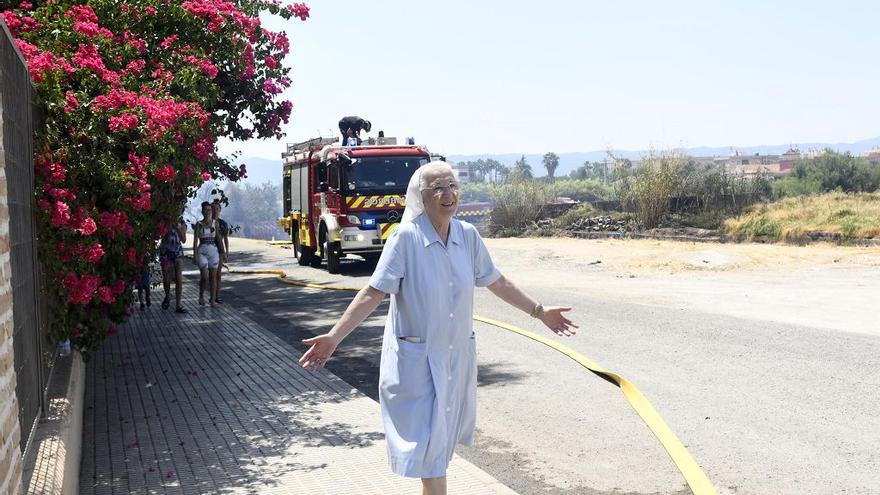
530,77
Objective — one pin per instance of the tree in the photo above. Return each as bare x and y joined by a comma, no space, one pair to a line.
551,161
476,170
622,168
501,171
135,96
583,172
521,171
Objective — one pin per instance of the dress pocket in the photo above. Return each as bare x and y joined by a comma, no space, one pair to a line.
405,372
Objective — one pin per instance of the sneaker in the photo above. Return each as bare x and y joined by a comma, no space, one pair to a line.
142,306
181,311
165,303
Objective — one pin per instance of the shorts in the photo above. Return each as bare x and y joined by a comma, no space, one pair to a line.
170,256
209,257
143,282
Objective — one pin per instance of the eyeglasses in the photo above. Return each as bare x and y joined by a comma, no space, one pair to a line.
438,190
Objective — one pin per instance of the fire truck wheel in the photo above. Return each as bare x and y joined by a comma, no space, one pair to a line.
314,258
331,253
305,255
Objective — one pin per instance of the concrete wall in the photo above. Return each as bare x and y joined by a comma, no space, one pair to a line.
10,455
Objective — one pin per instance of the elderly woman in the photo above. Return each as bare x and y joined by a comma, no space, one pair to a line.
428,370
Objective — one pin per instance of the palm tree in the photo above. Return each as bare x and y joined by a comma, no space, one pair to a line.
551,161
521,170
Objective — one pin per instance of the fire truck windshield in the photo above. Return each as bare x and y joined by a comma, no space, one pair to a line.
381,175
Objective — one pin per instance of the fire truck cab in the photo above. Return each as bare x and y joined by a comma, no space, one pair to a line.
345,199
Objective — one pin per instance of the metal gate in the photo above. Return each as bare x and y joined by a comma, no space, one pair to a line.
30,331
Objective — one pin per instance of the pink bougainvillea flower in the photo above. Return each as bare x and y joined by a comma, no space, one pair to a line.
60,214
106,294
94,253
124,122
299,10
87,227
72,102
87,57
80,289
131,255
166,173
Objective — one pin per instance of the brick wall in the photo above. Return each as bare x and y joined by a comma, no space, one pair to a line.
10,455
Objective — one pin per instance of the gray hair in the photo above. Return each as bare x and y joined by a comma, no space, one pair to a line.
434,168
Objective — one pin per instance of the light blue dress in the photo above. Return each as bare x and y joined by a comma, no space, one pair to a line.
428,390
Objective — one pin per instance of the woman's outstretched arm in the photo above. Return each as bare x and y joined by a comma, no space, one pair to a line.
322,347
508,292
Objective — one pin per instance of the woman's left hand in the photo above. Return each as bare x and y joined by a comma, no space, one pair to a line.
556,321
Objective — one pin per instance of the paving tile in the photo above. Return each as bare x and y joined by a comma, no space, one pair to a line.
208,402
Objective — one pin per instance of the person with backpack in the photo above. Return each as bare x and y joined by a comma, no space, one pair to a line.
171,258
223,246
206,254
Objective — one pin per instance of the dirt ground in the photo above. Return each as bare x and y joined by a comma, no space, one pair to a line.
822,286
700,328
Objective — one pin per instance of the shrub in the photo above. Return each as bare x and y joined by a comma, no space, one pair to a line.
517,206
476,192
136,95
830,171
791,186
581,190
648,188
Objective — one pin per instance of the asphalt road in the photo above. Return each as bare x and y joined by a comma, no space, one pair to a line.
763,407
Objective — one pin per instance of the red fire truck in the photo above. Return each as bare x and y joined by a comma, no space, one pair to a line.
345,199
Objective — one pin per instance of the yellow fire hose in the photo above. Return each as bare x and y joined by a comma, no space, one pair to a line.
693,474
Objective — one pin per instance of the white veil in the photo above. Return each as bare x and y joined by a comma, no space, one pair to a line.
414,204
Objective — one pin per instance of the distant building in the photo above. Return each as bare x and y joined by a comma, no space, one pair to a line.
758,164
462,172
873,156
789,158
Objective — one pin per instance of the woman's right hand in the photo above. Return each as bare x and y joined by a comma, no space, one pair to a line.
322,347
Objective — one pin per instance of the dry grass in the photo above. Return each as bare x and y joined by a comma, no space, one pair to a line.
836,215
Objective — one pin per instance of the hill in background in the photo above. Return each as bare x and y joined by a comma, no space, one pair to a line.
571,161
262,170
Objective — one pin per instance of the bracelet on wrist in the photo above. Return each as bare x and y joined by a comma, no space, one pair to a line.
537,311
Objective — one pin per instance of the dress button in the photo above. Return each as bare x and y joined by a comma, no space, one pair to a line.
451,315
450,348
449,377
448,409
451,284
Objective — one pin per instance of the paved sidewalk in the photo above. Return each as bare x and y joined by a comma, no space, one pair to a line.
208,402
